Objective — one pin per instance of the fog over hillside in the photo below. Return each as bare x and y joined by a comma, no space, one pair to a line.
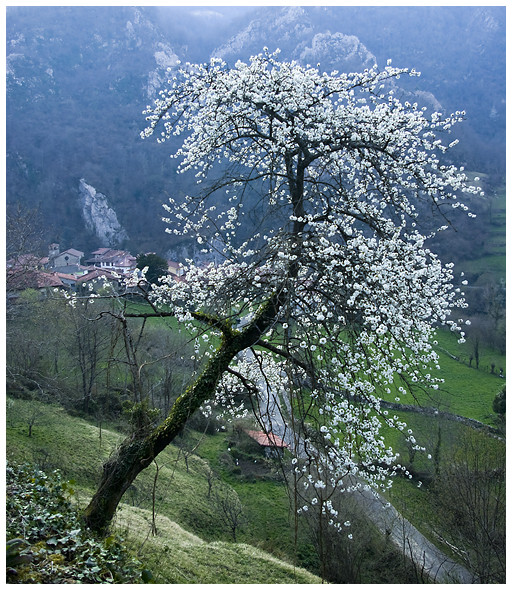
78,79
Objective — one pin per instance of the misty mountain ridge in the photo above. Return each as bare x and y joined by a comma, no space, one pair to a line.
78,79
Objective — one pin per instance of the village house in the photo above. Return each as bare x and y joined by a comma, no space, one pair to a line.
175,268
64,270
271,443
68,262
118,261
95,280
21,280
68,280
27,272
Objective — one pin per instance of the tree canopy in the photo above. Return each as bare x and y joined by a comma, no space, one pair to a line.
155,266
334,292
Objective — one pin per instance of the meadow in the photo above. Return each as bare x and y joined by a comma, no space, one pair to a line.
192,544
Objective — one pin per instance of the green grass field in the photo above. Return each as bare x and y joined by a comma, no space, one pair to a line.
491,265
264,496
178,557
467,391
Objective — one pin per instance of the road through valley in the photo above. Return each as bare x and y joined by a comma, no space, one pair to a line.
274,408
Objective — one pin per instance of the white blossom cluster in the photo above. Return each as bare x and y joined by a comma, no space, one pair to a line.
343,169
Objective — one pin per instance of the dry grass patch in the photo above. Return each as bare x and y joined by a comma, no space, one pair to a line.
176,556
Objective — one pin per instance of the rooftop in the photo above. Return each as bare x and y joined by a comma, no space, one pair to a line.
267,440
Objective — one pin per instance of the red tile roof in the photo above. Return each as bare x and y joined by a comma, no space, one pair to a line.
266,440
65,276
33,279
96,274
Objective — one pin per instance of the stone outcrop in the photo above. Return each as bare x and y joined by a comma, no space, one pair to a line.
99,217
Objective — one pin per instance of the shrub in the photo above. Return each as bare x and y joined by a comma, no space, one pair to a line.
499,402
46,541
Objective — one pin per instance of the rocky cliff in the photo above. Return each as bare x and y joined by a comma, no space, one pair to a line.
100,219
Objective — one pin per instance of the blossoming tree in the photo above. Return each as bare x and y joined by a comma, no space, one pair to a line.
333,291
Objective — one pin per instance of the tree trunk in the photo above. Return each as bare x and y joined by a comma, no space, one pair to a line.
118,474
139,450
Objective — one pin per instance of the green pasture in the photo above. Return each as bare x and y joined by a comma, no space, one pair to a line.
489,267
262,493
177,557
465,391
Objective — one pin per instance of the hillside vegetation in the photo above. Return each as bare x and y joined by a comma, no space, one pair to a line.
78,448
211,463
194,542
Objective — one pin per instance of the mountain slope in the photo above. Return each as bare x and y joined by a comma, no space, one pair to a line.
176,557
77,82
78,79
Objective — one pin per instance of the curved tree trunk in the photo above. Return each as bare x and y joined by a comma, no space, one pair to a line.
138,451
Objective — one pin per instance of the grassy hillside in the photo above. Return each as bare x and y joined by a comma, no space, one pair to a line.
467,391
490,264
75,446
178,557
453,447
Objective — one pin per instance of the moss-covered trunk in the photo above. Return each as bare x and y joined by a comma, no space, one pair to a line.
139,450
118,474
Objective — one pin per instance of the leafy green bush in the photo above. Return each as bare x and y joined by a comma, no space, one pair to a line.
499,402
46,541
